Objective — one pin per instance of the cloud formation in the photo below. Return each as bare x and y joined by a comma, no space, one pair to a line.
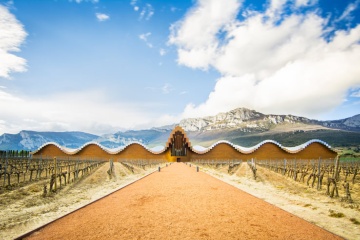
101,17
355,93
12,36
147,12
269,61
79,1
69,111
162,52
349,9
134,4
144,37
166,89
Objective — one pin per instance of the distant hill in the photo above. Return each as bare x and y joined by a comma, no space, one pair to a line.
241,126
31,140
250,121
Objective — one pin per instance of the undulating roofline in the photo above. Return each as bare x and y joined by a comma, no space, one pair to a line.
196,149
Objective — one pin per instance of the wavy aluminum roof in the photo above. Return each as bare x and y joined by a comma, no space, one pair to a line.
197,149
247,150
113,151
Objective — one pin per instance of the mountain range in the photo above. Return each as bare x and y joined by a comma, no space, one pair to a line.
241,126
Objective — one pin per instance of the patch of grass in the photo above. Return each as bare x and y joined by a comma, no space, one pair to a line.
35,188
355,221
4,201
19,194
336,214
33,202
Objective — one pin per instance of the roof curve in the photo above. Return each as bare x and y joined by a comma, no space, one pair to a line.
249,150
112,151
197,149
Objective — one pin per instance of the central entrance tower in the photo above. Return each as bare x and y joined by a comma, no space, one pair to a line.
179,145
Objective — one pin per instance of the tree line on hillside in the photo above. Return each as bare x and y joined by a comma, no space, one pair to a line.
14,154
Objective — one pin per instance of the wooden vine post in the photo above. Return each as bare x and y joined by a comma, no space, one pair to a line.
5,169
336,172
55,172
318,187
111,169
332,181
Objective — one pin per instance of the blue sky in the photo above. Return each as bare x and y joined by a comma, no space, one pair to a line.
104,65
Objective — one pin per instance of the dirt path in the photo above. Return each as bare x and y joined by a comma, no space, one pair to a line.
180,203
297,198
24,208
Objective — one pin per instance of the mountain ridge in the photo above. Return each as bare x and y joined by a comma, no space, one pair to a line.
239,125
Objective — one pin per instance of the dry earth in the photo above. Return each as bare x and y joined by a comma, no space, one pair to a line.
297,198
180,203
25,209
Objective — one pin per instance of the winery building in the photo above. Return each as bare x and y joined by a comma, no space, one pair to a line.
178,148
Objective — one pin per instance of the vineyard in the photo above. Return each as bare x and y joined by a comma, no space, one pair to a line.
338,176
55,173
231,165
141,163
20,171
37,195
313,172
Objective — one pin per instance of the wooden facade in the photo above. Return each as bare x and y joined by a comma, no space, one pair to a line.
178,148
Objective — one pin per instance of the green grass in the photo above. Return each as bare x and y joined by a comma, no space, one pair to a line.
355,221
336,214
35,188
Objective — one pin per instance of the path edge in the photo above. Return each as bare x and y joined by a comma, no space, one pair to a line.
24,235
233,185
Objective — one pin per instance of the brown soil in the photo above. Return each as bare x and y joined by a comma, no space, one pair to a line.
24,209
297,198
180,203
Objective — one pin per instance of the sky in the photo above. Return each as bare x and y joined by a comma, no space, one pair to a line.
101,66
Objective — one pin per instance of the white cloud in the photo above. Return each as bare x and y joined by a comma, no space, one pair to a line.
134,4
269,65
101,17
166,89
12,35
299,3
79,1
355,94
196,34
147,12
346,15
162,52
69,111
144,37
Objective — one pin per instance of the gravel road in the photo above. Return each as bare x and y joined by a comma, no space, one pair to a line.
180,203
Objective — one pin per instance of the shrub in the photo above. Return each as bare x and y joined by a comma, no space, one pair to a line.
355,221
336,214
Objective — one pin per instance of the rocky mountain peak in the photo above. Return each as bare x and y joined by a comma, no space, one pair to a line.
231,119
353,121
246,120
